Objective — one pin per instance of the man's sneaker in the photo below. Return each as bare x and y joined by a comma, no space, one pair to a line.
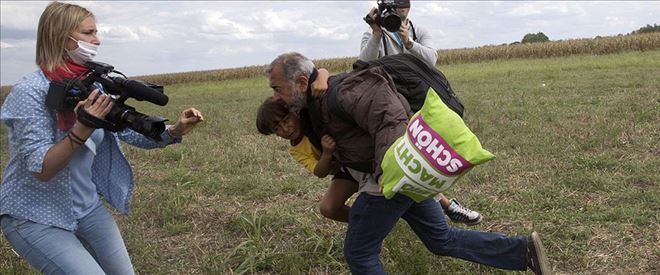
459,213
537,261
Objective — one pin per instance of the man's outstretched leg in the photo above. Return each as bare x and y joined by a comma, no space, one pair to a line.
486,248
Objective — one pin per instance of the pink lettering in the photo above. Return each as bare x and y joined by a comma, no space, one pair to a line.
435,149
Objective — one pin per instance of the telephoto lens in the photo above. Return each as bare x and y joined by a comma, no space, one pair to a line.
390,21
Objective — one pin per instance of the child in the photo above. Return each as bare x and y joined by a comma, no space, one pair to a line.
274,117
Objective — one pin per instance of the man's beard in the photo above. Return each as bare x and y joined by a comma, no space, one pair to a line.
298,101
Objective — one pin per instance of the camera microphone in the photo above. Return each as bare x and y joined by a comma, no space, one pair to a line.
140,91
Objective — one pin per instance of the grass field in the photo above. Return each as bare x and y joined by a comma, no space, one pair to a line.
577,151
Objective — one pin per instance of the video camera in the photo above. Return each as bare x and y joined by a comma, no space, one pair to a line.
387,16
65,95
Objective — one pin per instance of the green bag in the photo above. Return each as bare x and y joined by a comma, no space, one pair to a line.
436,150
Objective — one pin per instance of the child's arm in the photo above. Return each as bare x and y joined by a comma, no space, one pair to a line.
320,85
325,164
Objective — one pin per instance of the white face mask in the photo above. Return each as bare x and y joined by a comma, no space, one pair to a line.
85,52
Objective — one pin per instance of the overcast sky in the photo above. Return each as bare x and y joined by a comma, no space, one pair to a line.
153,37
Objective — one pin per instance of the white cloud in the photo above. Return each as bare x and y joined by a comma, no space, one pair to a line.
551,10
614,21
126,34
437,9
526,9
18,15
18,44
4,45
118,34
147,32
229,51
329,33
273,21
215,25
271,47
293,22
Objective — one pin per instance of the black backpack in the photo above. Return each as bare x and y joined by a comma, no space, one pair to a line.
412,78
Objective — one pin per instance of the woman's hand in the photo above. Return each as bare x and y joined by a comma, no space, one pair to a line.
187,121
96,104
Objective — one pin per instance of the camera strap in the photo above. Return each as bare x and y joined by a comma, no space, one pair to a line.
412,27
311,79
385,43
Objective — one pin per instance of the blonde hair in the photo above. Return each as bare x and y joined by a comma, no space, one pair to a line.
56,24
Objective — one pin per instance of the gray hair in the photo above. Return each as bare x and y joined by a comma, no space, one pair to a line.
294,65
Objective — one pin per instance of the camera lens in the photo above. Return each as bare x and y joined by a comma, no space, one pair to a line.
391,21
125,116
149,126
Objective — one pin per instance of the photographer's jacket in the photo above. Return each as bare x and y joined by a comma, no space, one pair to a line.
373,48
32,131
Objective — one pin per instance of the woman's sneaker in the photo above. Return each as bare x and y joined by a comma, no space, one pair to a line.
459,213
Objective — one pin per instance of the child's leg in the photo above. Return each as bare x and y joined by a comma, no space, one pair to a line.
458,212
444,202
333,203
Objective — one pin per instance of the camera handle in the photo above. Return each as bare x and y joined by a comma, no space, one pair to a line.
94,122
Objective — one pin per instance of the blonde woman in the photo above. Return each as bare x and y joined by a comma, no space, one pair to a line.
59,169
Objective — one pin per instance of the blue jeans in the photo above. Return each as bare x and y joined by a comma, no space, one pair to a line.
373,217
96,247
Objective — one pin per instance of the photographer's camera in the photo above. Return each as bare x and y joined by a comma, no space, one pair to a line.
386,15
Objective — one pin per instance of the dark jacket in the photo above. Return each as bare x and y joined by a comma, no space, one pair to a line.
379,117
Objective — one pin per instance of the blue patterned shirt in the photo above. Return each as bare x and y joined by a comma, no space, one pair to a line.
32,132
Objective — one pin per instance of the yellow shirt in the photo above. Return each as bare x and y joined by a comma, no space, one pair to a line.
306,154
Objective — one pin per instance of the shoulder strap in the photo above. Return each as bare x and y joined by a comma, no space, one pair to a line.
333,102
384,43
359,65
413,30
413,33
433,76
313,113
308,126
312,118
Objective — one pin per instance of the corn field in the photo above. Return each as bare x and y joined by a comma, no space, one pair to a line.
596,46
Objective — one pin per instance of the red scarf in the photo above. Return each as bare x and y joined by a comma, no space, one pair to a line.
65,119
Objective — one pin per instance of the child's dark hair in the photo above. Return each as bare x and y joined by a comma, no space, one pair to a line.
269,115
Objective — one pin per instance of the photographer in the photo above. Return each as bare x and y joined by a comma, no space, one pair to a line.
51,210
408,38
